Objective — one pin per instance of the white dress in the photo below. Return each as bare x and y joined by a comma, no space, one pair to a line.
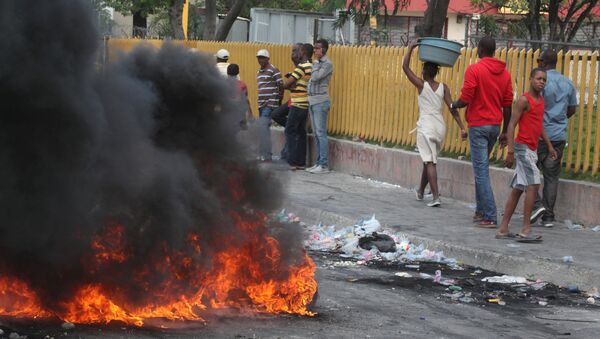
431,128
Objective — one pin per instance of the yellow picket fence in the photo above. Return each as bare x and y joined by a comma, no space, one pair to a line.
372,98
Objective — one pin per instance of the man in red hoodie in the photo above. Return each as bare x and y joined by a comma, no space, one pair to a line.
488,95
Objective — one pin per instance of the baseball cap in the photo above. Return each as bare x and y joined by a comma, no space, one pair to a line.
222,54
263,53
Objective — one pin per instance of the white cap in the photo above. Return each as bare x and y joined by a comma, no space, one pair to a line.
263,53
222,54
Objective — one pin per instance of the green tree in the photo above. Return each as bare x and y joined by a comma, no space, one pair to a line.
565,17
433,22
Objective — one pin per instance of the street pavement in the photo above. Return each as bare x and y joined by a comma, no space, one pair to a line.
341,199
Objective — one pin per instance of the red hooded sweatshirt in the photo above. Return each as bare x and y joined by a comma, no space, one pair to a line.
487,89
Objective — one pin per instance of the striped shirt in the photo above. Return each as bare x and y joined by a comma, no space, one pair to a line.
299,92
269,84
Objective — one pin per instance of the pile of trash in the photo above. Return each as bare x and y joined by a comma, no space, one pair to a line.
366,241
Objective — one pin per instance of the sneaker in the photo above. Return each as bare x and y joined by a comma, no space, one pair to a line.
418,195
547,223
320,170
536,214
487,224
435,203
312,168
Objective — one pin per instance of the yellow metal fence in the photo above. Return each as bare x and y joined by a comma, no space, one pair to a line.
373,99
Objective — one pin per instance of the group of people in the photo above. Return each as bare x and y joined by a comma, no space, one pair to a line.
541,114
308,84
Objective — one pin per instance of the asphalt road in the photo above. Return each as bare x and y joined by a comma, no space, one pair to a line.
357,301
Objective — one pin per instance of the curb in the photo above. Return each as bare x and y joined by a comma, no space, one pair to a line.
531,268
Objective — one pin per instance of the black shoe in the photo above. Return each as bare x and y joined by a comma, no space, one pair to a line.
536,214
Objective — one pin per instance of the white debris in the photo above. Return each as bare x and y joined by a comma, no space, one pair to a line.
543,303
591,300
505,279
346,240
68,326
14,335
403,274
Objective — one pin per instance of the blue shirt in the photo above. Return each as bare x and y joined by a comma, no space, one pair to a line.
559,94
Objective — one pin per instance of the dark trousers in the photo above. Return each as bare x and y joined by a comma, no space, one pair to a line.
295,136
280,115
551,170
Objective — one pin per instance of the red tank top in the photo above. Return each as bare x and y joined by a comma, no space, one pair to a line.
531,123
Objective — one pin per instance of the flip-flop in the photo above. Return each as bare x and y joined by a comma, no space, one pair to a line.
528,238
508,236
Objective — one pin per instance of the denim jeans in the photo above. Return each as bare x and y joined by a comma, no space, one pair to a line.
264,124
295,136
482,140
551,170
318,116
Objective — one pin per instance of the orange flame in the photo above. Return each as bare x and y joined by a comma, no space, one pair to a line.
250,276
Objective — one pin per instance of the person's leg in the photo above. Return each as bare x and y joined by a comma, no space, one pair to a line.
291,134
311,116
264,124
542,152
528,207
320,112
509,210
551,175
280,114
432,178
424,181
301,141
480,138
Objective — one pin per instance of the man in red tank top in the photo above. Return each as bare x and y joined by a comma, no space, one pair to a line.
529,115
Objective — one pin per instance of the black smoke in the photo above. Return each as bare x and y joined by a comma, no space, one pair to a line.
149,142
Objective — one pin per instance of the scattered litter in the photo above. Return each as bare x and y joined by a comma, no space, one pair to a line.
365,241
501,303
493,300
68,326
570,225
594,293
591,300
505,279
567,259
466,300
403,274
14,335
383,242
438,277
413,266
543,303
425,276
573,289
455,288
596,228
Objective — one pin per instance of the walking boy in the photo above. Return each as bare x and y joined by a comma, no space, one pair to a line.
529,115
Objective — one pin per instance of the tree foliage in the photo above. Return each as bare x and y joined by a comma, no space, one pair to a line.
558,20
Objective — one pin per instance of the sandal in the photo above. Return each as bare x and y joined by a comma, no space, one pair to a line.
506,236
528,238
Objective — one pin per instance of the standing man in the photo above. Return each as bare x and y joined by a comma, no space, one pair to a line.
319,104
270,92
560,103
487,91
295,128
223,61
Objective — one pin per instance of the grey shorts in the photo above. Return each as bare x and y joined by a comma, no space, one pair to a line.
526,172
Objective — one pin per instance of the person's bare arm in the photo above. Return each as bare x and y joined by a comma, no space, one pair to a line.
454,111
571,111
506,112
412,77
522,106
551,150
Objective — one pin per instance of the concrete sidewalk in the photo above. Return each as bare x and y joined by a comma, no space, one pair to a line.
341,199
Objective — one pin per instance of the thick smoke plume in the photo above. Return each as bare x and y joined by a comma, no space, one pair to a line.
150,143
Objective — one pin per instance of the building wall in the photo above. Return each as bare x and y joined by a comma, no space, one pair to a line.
401,29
